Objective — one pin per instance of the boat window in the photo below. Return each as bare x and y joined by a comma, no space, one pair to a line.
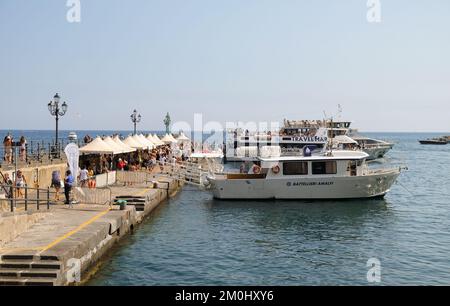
326,167
295,168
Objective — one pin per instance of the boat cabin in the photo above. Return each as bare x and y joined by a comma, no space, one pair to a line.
331,164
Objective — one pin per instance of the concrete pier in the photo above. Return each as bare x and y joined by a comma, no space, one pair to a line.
60,246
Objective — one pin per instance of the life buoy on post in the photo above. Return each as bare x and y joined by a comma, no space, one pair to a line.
276,169
256,169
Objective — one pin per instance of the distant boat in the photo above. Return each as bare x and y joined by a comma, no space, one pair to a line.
435,141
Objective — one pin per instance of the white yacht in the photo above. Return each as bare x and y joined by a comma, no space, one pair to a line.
374,147
291,138
295,135
330,175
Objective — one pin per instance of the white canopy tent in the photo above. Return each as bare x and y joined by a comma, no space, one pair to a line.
173,138
144,145
157,140
182,138
124,147
98,146
131,142
167,139
152,140
144,140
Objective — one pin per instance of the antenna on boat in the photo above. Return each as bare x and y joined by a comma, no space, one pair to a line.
339,112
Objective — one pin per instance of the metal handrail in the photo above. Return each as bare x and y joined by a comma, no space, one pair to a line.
13,199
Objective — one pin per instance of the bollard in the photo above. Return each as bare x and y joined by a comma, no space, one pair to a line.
26,197
48,198
37,199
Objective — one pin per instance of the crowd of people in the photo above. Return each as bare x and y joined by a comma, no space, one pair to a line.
91,165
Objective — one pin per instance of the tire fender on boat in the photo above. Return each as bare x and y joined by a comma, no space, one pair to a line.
276,169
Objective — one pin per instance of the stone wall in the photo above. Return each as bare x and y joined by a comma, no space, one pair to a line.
41,176
12,225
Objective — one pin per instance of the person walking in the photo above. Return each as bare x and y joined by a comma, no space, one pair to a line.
56,183
7,147
23,148
20,183
83,177
68,183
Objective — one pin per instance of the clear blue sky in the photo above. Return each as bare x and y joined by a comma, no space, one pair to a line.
246,60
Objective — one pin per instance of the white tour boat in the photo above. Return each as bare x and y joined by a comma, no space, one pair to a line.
295,135
332,175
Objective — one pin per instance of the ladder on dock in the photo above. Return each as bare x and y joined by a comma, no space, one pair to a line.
190,173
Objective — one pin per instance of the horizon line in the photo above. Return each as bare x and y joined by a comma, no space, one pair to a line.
156,130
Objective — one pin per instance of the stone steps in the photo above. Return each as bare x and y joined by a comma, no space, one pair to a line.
29,273
29,270
137,202
26,282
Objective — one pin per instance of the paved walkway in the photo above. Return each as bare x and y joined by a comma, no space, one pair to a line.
64,226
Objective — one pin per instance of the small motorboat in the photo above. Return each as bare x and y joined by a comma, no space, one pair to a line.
434,141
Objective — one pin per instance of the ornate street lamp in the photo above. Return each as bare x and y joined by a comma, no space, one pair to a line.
57,111
135,118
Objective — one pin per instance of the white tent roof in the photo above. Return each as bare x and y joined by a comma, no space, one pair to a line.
168,139
144,145
156,138
149,143
98,146
131,142
173,138
125,147
182,137
152,140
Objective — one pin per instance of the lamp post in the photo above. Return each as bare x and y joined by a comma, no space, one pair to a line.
57,111
135,118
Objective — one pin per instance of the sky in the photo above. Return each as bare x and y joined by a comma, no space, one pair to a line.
230,60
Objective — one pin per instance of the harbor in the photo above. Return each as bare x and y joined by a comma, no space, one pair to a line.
214,151
48,245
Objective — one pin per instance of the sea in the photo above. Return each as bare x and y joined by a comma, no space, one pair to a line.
193,239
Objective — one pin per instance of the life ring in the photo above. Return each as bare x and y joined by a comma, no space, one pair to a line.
276,169
256,169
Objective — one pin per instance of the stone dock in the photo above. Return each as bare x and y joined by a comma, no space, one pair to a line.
60,246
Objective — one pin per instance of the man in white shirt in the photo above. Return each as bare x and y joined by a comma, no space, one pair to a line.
83,177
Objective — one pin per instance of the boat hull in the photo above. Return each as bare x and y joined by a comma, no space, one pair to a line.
348,187
432,142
